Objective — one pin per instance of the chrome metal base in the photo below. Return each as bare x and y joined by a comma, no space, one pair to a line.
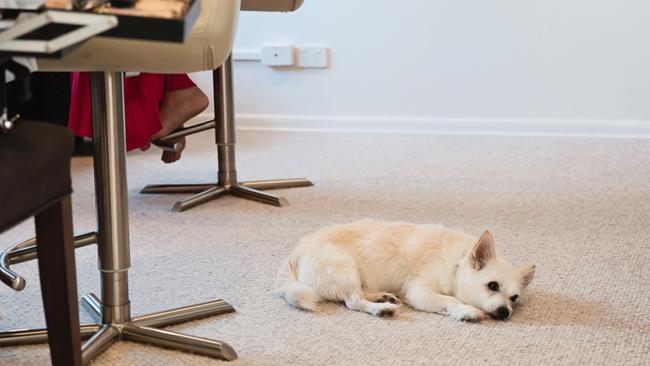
207,192
142,330
225,139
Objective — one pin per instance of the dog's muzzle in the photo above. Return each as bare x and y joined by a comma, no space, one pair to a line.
502,313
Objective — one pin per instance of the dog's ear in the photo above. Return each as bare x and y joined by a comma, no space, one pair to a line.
483,251
527,274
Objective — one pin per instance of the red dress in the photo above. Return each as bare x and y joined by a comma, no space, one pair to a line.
143,95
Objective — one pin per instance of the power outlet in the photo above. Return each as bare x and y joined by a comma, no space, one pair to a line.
278,55
313,56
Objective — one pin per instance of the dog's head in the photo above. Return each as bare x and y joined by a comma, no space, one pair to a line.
488,282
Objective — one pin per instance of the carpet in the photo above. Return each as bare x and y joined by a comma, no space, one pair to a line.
579,208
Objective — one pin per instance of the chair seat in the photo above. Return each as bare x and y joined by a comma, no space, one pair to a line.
34,169
271,5
206,48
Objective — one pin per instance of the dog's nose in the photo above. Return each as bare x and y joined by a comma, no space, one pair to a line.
502,313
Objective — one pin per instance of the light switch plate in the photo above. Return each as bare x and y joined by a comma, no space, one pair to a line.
313,56
277,55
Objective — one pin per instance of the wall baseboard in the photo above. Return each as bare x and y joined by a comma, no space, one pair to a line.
455,126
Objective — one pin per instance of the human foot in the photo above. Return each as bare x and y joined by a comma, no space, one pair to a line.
169,157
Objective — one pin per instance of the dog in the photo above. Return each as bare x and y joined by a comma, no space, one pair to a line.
370,265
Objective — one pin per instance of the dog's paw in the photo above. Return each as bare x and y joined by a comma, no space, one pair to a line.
467,313
386,311
388,298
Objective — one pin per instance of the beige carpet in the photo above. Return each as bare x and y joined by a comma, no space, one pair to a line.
578,208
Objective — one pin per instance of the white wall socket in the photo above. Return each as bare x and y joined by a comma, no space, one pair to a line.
313,56
277,55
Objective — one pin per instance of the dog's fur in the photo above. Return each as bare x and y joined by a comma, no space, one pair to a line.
369,265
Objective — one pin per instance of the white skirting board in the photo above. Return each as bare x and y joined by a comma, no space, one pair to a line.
455,126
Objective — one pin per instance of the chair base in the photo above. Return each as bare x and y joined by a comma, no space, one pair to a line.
208,192
143,329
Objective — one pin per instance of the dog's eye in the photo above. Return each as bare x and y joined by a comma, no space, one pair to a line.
513,298
494,286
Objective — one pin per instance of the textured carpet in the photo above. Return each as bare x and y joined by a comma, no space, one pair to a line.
578,208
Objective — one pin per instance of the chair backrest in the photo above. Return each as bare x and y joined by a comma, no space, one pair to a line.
34,169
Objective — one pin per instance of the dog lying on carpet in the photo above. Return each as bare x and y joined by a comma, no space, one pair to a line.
369,265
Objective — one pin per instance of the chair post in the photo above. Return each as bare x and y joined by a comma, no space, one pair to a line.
224,114
111,194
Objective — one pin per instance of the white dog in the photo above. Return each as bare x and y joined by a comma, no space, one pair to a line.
368,264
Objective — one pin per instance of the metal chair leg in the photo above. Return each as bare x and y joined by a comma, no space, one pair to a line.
259,196
185,314
39,335
94,306
277,184
177,341
176,188
98,343
208,195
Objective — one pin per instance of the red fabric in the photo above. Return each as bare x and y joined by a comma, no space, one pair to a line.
143,95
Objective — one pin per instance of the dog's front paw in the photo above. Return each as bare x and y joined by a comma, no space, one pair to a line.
390,298
386,310
467,313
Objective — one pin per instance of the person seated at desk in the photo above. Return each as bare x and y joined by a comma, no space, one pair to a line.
155,105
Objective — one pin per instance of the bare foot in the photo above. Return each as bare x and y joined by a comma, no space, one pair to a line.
177,108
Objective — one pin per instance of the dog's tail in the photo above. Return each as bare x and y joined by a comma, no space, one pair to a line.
296,293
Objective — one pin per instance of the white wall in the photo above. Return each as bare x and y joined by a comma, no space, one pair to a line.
463,61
